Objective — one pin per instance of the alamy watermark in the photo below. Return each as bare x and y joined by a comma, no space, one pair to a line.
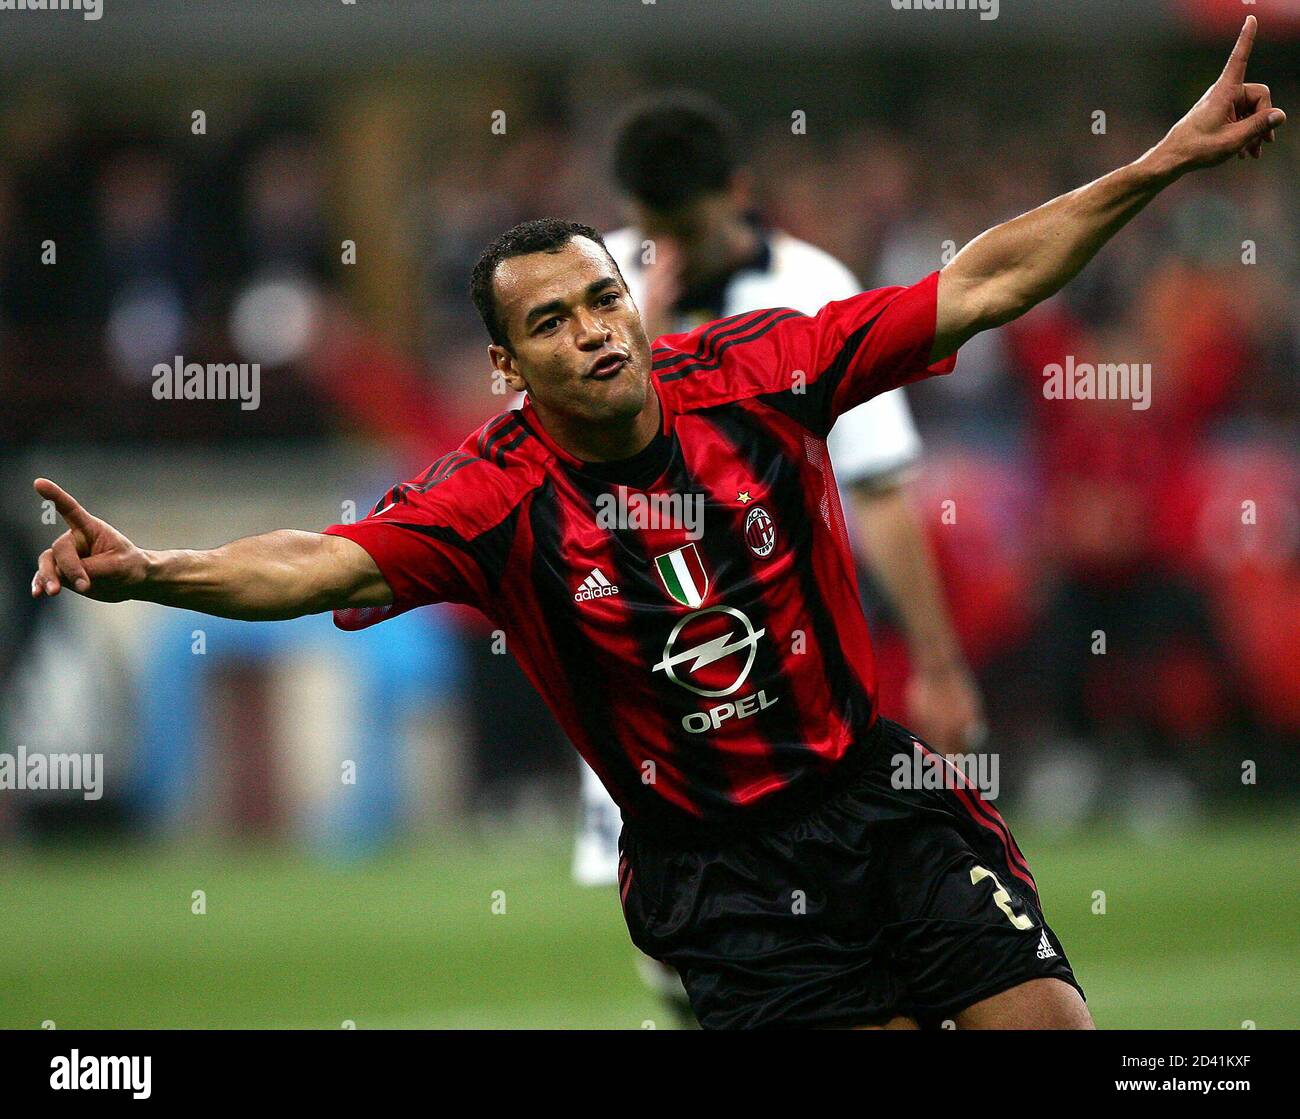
928,770
635,510
35,772
988,9
1081,380
82,1071
182,380
89,9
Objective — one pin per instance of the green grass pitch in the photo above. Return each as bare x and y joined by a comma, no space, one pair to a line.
1201,930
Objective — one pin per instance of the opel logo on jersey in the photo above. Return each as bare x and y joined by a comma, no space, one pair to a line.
711,651
760,532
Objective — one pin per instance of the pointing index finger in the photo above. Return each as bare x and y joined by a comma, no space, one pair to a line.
1235,69
64,502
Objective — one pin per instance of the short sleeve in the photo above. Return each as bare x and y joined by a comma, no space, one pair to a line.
422,550
865,345
813,368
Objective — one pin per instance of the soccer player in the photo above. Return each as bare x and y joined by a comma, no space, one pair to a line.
675,160
720,682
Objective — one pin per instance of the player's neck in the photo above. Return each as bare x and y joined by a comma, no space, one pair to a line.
737,245
604,442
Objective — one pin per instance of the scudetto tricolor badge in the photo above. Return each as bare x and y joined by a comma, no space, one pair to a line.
684,576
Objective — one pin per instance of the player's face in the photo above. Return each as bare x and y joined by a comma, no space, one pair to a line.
579,347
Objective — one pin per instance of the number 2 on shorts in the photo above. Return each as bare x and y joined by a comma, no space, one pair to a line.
1000,897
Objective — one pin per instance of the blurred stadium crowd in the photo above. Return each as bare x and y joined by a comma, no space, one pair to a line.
1175,531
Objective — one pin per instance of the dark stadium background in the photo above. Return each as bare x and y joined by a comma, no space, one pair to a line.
1169,876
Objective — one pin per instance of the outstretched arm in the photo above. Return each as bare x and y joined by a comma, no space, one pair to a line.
1008,269
278,575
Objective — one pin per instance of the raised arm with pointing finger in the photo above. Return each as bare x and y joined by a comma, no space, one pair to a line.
278,575
1014,266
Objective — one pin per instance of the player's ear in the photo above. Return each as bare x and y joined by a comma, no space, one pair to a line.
503,361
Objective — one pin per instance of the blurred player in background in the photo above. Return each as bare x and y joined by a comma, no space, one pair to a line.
696,252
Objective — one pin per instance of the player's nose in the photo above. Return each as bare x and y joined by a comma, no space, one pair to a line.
591,330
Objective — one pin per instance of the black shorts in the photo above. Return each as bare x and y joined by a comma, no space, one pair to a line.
876,902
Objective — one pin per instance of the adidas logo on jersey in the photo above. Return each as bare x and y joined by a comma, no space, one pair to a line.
1045,949
595,585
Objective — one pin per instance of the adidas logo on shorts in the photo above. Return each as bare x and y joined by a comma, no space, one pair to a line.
1045,949
595,585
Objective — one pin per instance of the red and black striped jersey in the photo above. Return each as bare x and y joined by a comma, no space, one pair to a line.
691,617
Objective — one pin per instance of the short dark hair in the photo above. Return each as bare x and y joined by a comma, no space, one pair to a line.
541,235
672,148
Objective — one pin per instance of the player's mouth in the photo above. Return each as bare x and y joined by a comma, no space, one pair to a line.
607,367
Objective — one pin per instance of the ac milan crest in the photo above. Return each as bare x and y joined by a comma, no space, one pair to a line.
760,532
